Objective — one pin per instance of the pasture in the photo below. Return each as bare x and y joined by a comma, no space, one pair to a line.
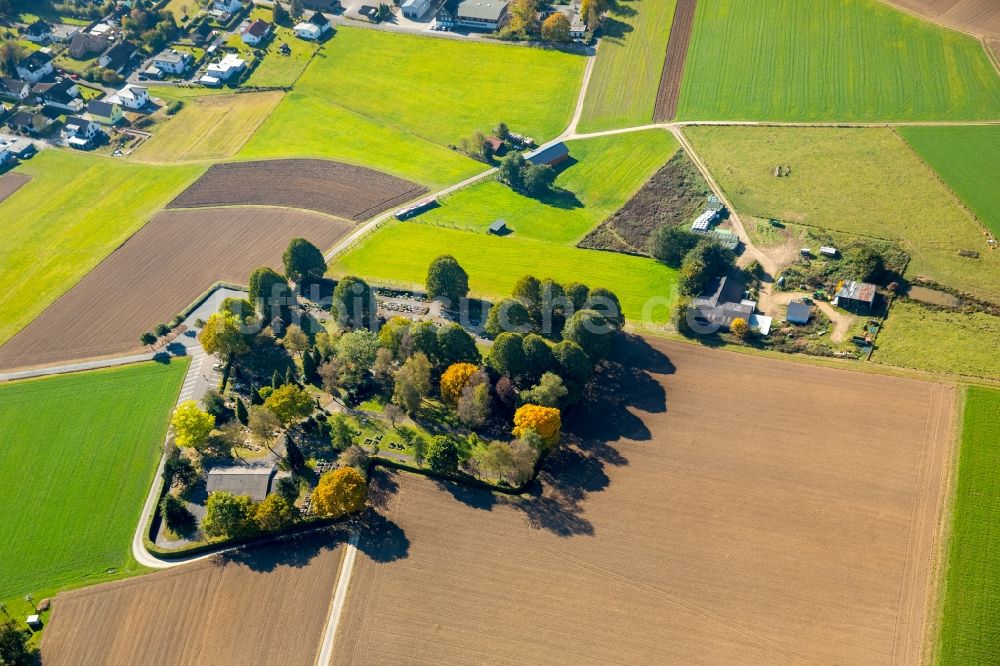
915,336
79,455
834,60
266,605
672,537
176,257
209,127
859,181
74,212
275,69
603,175
626,76
439,93
968,160
400,253
970,624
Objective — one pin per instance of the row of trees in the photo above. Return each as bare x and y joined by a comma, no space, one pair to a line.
524,23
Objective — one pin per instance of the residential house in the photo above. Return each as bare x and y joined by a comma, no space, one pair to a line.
486,15
720,304
22,149
63,33
118,56
85,45
131,97
798,313
313,29
104,112
80,132
219,72
256,32
15,88
38,32
62,94
551,155
227,6
856,297
26,122
415,9
172,62
35,67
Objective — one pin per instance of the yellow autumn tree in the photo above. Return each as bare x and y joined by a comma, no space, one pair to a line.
191,424
340,492
739,327
454,380
546,422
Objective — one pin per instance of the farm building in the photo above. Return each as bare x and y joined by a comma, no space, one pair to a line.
499,228
798,313
496,145
256,32
415,9
486,15
721,303
856,297
552,155
252,480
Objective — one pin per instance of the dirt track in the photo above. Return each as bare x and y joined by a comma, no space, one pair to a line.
268,606
343,190
980,17
673,66
757,512
11,182
158,272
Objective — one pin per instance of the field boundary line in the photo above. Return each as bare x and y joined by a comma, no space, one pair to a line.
339,598
672,76
941,24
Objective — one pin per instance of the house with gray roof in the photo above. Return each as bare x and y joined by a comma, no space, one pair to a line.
486,15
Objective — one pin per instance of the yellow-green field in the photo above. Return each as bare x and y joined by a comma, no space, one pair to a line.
74,212
860,181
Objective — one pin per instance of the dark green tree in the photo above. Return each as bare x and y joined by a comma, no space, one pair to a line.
592,332
353,303
510,316
537,179
455,345
606,302
442,455
538,357
176,515
511,169
575,367
422,337
303,261
309,366
241,411
447,281
669,244
507,355
576,294
269,292
14,650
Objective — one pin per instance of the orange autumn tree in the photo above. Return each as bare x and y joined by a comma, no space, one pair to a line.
454,380
546,422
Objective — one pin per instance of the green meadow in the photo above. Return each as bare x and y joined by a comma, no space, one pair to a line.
79,454
859,181
836,60
626,76
395,102
968,161
72,214
970,622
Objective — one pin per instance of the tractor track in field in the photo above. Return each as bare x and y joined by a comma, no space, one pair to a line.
673,65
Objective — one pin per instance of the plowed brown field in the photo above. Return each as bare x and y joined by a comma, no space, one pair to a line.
980,17
11,182
673,66
156,274
267,606
335,188
752,511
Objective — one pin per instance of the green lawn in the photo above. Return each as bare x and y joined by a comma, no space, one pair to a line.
79,455
606,172
968,161
831,60
74,212
860,181
970,628
400,253
626,76
943,341
275,69
385,99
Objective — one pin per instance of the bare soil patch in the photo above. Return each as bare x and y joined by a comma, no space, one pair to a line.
263,606
673,66
157,273
729,509
11,182
980,17
334,188
674,195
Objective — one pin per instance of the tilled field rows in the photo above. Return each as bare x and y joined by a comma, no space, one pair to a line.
764,512
158,272
266,606
338,189
980,17
673,65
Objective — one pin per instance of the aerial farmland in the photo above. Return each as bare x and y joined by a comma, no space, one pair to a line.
468,331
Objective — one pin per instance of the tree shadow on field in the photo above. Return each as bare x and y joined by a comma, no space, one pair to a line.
379,537
614,30
286,551
476,498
